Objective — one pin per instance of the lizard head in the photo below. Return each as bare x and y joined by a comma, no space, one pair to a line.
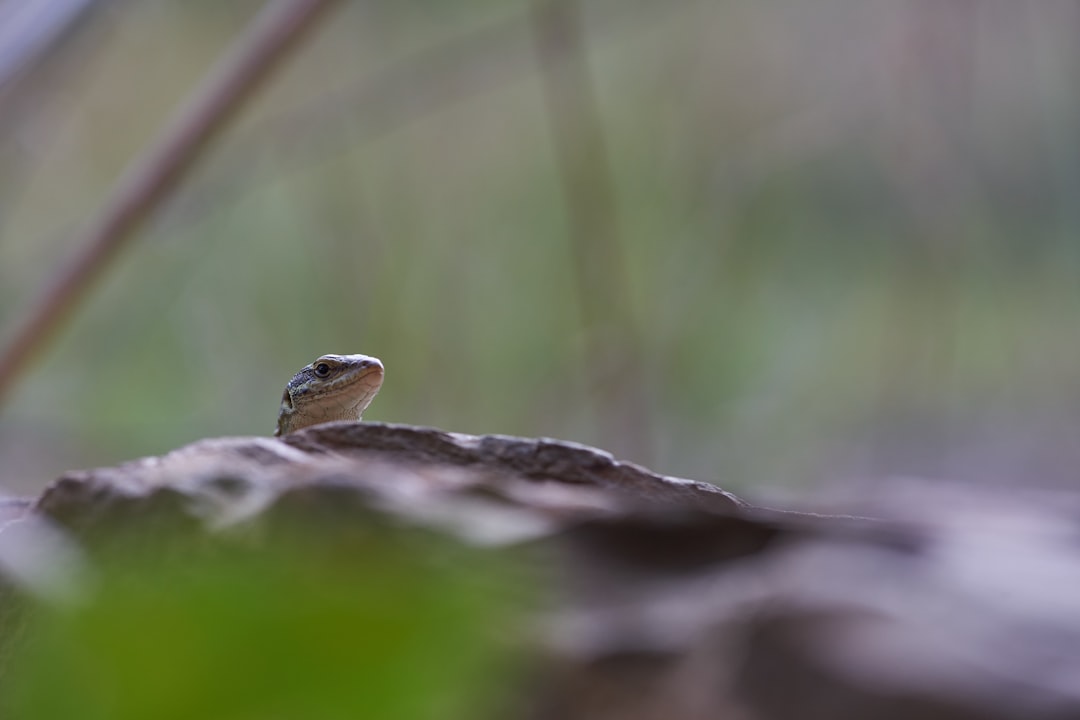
334,387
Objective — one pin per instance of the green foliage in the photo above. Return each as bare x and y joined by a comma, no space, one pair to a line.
386,625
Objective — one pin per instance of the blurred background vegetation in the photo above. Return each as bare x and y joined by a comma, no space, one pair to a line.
798,243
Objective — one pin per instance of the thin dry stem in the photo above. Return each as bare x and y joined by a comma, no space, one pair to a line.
155,174
613,350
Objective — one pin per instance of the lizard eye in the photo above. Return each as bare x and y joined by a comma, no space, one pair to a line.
322,370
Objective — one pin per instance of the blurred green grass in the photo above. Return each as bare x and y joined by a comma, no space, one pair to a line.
369,623
849,231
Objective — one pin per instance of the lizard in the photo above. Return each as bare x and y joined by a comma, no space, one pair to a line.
334,387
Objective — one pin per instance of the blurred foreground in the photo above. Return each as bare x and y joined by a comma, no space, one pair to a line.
392,572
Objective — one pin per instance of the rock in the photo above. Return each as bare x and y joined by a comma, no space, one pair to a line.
671,598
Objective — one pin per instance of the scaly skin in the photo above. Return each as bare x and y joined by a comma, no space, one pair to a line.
334,387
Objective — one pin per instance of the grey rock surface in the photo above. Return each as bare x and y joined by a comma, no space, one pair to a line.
676,599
